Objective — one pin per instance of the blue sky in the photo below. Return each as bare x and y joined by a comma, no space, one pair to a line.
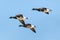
47,26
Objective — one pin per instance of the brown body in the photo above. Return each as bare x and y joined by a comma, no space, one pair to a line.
20,18
31,27
45,10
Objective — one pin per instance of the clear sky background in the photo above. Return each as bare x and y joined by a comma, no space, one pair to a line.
47,26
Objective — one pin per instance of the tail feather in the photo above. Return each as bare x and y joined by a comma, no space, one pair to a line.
50,10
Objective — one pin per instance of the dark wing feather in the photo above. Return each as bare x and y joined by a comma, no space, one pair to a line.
33,30
47,12
22,21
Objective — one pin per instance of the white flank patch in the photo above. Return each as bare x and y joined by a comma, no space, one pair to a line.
47,10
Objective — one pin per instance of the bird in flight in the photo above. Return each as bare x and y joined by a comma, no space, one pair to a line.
45,10
30,26
19,17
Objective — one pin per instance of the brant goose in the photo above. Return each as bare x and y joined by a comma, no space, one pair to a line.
19,17
31,27
45,10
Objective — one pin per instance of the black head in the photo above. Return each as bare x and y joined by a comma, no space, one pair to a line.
20,25
12,17
33,9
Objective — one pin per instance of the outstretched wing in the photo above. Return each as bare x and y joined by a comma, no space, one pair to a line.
33,30
22,22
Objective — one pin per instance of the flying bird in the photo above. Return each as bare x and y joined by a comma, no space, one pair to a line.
45,10
31,27
19,17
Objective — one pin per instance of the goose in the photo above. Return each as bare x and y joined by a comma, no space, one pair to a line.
43,9
30,26
19,17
